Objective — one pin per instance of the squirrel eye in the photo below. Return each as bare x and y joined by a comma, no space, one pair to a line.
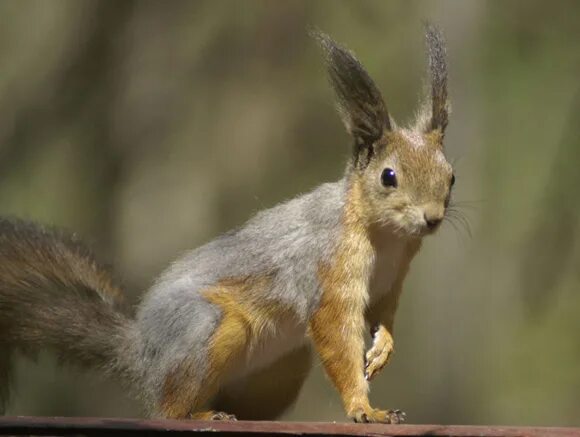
388,178
452,179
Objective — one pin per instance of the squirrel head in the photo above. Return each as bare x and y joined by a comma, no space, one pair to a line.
402,175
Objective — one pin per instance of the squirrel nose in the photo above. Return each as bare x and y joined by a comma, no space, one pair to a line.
432,222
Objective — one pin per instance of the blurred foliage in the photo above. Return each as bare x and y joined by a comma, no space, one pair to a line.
150,127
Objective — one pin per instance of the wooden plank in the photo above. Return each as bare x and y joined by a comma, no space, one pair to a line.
64,426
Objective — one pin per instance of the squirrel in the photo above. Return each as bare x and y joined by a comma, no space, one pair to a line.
227,330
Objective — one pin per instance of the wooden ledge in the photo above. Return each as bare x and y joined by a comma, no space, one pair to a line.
62,426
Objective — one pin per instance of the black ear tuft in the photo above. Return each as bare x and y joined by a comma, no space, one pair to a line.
437,53
359,101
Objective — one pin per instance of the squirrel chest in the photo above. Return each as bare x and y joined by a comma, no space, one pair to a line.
391,259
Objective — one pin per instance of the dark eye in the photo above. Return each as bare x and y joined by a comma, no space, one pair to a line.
388,178
452,179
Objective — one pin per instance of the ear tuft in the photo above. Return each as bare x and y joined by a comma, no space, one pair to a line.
436,54
360,103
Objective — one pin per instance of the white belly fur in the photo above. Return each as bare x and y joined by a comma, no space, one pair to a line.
286,337
390,251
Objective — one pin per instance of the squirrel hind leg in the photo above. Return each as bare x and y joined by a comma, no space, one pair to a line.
186,393
256,397
212,415
190,389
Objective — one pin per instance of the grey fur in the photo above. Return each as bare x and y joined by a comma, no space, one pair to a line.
286,242
174,321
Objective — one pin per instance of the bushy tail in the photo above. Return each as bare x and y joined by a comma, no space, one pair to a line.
54,294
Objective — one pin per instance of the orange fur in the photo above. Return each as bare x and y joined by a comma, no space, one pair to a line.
337,327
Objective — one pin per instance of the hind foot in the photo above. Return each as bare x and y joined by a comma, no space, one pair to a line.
213,415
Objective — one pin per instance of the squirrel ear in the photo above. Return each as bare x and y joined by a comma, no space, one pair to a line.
360,103
436,54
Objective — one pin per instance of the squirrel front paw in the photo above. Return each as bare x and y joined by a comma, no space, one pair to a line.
378,355
373,415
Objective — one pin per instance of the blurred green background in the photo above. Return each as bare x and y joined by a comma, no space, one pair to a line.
150,127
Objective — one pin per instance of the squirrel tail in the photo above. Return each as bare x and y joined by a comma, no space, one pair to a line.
55,295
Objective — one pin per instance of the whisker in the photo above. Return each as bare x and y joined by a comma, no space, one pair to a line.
451,223
457,217
466,223
457,227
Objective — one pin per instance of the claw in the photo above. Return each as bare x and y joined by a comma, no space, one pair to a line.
379,416
396,416
220,415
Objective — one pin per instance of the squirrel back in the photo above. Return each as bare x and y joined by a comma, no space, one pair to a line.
54,293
